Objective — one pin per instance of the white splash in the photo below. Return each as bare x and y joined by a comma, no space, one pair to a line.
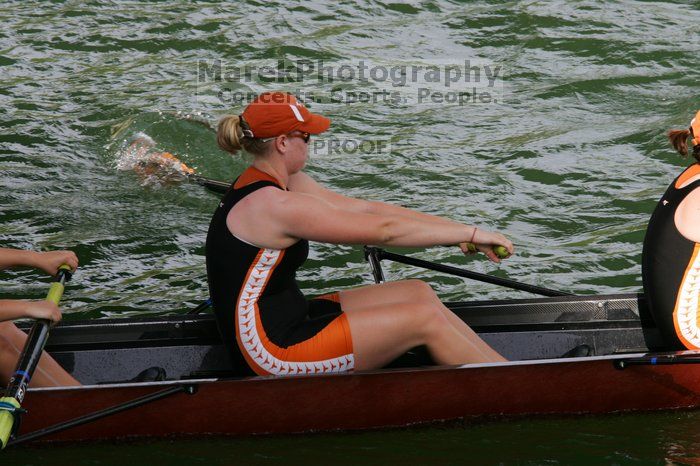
153,166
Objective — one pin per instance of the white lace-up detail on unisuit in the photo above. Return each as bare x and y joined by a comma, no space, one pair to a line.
250,334
686,312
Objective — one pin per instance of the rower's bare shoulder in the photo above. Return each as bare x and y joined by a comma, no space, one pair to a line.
256,219
259,202
302,182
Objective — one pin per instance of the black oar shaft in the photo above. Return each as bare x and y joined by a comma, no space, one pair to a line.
201,307
33,348
656,361
214,185
10,404
28,361
469,274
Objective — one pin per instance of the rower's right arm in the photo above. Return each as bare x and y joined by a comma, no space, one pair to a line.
48,261
15,257
293,215
12,309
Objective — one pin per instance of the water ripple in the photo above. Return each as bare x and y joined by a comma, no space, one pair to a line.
570,165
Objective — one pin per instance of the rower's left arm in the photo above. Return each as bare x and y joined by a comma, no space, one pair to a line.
302,182
383,208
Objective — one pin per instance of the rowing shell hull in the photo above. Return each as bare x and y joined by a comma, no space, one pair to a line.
368,400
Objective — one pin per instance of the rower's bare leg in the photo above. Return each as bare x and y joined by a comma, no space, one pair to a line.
382,332
48,372
410,291
8,361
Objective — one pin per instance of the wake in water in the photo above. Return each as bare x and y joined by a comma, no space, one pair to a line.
154,145
154,167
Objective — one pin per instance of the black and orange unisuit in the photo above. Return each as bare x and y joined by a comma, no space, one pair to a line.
671,269
263,317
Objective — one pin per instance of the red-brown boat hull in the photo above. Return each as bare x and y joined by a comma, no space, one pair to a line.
369,400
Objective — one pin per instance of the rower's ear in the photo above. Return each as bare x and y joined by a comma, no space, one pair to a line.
282,144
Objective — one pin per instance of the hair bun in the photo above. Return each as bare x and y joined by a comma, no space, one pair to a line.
229,134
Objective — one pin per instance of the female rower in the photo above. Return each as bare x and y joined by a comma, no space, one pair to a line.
48,373
259,236
671,252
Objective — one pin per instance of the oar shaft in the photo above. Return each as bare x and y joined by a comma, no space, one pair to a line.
469,274
198,310
656,361
28,360
214,185
36,340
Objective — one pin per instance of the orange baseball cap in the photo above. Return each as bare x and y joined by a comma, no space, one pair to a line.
695,126
274,113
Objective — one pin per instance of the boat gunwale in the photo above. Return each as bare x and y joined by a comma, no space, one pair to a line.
375,372
194,318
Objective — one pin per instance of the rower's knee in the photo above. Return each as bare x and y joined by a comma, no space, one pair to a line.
433,322
421,291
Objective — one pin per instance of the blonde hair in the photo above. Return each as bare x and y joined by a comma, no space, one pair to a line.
679,141
230,137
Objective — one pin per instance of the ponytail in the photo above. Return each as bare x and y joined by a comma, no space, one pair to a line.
230,137
229,134
679,140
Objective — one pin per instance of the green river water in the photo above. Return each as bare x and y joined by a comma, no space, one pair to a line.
564,152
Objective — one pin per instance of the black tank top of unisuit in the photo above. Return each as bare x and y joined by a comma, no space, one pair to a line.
229,260
671,268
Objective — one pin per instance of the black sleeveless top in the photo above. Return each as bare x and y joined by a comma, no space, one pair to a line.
666,256
230,262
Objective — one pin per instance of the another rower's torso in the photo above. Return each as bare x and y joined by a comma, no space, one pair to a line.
671,264
238,270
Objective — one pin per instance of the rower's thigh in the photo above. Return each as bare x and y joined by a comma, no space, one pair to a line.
12,334
398,294
383,332
6,348
8,360
412,291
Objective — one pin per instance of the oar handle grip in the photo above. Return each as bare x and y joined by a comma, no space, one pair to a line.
8,405
499,250
56,291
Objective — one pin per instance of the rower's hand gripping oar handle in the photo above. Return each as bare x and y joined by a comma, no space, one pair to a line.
58,285
499,250
10,404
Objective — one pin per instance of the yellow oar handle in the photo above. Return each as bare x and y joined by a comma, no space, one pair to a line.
57,287
7,418
500,251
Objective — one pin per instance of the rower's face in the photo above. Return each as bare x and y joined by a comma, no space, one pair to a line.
298,151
